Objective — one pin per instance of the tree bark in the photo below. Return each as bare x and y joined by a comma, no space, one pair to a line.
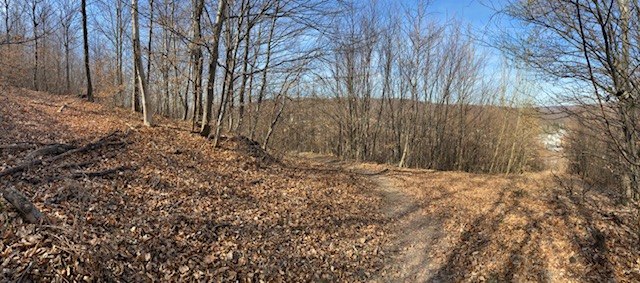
196,58
205,128
26,209
119,46
34,19
85,40
137,54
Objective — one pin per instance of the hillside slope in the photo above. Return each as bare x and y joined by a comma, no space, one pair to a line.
176,209
160,204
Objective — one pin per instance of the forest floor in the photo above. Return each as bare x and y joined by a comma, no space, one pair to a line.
167,206
533,227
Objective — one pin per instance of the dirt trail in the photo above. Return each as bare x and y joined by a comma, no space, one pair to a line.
463,227
415,232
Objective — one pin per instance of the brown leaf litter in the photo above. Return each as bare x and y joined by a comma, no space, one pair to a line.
186,212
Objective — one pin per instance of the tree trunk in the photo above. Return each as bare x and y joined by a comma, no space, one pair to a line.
135,95
137,54
119,47
205,128
196,63
629,108
149,42
227,93
274,122
34,19
263,85
245,76
85,40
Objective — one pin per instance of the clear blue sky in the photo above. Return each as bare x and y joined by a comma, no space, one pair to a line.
476,12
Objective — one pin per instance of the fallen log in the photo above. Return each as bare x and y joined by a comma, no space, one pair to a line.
49,150
30,163
26,209
374,173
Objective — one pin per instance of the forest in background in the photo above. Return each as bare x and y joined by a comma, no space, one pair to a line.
145,130
368,81
327,76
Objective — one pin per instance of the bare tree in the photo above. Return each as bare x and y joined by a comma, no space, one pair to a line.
140,73
590,47
67,21
196,62
85,40
205,129
35,13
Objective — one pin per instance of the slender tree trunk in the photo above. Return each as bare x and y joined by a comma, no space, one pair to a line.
274,122
135,91
137,54
245,76
85,40
227,96
119,47
7,26
205,129
166,42
34,19
231,55
67,64
149,53
185,102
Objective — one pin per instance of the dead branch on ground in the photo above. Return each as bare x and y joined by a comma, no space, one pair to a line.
30,163
57,148
25,208
102,173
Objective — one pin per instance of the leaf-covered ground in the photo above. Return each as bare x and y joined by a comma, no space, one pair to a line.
181,210
184,212
535,227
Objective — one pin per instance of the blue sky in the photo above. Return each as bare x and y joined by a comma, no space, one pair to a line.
476,12
480,14
483,17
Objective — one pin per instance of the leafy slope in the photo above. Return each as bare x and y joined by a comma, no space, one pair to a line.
186,212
